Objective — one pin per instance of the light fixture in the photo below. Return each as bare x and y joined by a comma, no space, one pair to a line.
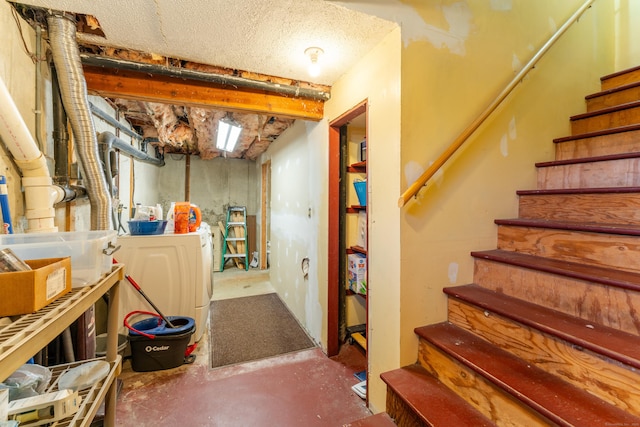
314,55
228,134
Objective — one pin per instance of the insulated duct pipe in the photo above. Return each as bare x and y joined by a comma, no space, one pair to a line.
40,195
73,88
113,142
222,79
113,122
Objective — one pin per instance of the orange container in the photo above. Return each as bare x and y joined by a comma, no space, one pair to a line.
195,218
181,217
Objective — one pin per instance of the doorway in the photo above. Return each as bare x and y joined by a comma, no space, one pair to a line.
265,209
339,162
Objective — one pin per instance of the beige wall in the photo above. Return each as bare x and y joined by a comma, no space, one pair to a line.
299,214
376,78
467,54
18,73
627,14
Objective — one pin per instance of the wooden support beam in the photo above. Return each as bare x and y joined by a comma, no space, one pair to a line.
126,84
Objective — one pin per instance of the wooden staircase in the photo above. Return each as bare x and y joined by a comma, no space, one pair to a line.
549,331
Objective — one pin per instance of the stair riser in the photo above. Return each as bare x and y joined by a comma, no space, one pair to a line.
578,367
401,413
628,116
616,143
488,399
609,173
613,99
604,250
620,80
613,208
609,306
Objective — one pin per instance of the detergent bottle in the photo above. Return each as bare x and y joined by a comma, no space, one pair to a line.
170,219
195,218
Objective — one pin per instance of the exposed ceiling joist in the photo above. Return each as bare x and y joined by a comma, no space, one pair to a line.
110,83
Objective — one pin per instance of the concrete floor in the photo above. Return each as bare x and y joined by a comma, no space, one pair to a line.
304,388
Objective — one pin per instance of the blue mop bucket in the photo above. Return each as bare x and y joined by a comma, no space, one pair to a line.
156,346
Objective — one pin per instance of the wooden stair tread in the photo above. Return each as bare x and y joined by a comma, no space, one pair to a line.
431,400
621,229
619,73
594,190
608,110
613,343
534,387
381,419
603,132
612,90
576,161
591,273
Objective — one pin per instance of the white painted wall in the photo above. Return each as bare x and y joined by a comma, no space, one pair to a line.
298,190
299,208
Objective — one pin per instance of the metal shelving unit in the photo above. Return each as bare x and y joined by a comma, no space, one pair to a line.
31,332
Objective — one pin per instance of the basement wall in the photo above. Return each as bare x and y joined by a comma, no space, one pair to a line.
627,13
18,73
298,195
456,58
215,185
299,208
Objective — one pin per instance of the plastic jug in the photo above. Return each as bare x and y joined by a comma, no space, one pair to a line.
195,218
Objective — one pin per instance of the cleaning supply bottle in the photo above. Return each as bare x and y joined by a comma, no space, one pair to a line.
170,219
158,212
195,218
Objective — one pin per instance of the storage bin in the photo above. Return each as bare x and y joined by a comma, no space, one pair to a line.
141,227
361,192
89,262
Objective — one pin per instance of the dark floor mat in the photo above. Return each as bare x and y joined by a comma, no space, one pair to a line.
252,328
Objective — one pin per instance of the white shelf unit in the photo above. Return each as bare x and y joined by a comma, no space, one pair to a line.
32,332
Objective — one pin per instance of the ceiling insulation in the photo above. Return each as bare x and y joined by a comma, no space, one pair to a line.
248,39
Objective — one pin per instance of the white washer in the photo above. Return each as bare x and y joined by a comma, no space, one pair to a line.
173,270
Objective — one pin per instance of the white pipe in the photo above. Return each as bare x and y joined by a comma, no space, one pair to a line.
40,195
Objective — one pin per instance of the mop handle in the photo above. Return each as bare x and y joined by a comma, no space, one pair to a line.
139,289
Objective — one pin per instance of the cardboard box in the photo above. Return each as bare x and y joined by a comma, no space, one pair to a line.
23,292
358,273
45,408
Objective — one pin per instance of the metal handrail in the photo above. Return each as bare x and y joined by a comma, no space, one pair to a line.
462,138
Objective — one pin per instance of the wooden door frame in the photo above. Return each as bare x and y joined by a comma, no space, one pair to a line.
335,285
265,193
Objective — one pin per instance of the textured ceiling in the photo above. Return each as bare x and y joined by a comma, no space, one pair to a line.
267,37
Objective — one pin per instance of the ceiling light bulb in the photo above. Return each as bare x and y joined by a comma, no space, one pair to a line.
314,55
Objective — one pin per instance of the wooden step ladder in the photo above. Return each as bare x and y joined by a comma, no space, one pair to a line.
235,238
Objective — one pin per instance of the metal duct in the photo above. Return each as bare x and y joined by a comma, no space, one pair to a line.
73,88
222,79
112,141
113,122
60,134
